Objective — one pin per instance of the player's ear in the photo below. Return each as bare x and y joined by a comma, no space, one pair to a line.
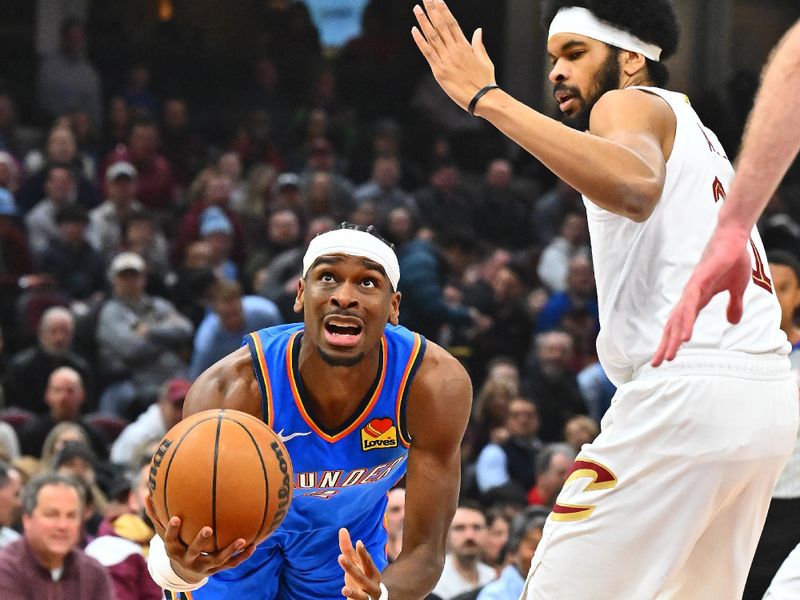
632,62
298,301
394,308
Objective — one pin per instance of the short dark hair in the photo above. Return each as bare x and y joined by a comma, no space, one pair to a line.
652,21
546,454
471,505
30,494
785,258
533,517
370,229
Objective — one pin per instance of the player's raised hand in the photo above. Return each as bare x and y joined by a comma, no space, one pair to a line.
724,266
362,580
194,562
461,68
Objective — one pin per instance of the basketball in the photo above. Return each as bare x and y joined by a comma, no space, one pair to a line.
224,469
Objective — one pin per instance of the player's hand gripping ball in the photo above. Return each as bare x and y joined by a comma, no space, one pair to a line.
224,469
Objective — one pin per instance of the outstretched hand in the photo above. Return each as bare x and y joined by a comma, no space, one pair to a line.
725,266
460,67
362,579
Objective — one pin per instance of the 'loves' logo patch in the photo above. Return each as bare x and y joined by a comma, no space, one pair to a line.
378,433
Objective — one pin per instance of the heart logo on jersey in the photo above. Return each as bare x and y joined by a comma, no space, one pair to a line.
378,433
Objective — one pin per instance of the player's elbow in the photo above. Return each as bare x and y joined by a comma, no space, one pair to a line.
640,201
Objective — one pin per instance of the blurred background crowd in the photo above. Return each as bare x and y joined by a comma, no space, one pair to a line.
156,198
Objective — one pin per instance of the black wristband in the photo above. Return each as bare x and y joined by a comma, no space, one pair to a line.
481,92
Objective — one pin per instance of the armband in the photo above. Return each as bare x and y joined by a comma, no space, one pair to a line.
162,572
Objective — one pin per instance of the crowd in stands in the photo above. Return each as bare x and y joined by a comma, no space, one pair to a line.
136,249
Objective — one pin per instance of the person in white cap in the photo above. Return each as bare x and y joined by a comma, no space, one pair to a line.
360,402
669,500
106,220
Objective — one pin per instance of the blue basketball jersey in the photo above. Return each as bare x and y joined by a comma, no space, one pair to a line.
341,477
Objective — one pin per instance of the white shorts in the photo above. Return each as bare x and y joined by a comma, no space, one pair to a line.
786,583
670,499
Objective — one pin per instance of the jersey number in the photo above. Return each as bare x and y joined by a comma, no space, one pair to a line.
760,277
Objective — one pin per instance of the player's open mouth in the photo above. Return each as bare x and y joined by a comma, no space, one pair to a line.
565,100
341,331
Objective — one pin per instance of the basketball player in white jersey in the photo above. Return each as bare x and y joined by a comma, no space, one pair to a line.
669,500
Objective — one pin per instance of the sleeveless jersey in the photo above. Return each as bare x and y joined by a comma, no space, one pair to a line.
641,268
342,476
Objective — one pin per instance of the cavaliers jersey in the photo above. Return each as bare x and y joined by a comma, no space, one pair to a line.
342,476
641,268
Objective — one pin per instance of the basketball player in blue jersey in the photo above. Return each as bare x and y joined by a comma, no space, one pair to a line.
359,402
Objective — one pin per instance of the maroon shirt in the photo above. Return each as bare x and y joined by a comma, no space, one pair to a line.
22,577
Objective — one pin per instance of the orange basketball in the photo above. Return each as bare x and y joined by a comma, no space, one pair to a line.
224,469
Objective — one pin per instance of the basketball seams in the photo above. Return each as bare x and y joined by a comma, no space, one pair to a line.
214,480
263,469
172,457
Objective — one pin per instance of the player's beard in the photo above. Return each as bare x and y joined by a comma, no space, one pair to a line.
345,361
607,80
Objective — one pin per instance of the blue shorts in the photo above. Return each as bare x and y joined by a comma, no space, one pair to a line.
287,566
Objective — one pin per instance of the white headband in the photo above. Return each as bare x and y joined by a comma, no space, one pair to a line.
583,22
354,243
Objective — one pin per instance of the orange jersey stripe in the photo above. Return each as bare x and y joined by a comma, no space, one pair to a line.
265,375
299,403
403,382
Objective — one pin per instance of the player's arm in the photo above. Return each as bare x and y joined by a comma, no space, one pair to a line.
229,383
438,409
620,165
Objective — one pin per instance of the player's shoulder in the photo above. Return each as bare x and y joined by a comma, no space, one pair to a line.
629,102
228,383
285,330
441,374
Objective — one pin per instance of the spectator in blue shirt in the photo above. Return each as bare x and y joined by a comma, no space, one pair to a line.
526,532
232,317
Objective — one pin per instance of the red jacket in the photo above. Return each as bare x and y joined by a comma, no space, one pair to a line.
23,578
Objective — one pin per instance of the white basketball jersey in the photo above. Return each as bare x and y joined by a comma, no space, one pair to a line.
641,268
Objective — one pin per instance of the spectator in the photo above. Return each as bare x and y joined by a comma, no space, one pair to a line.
79,269
497,527
526,533
67,80
383,188
502,209
140,338
320,199
45,562
551,384
9,169
552,466
9,443
395,517
217,230
106,220
180,142
443,197
160,417
157,189
29,370
463,569
216,191
579,295
188,288
14,246
785,269
596,389
280,280
283,232
77,460
142,235
233,316
61,151
571,242
322,160
287,193
122,542
137,93
59,436
41,221
512,460
550,211
10,503
580,430
64,396
424,306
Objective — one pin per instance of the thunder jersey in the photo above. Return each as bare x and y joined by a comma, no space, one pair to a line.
341,477
641,268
